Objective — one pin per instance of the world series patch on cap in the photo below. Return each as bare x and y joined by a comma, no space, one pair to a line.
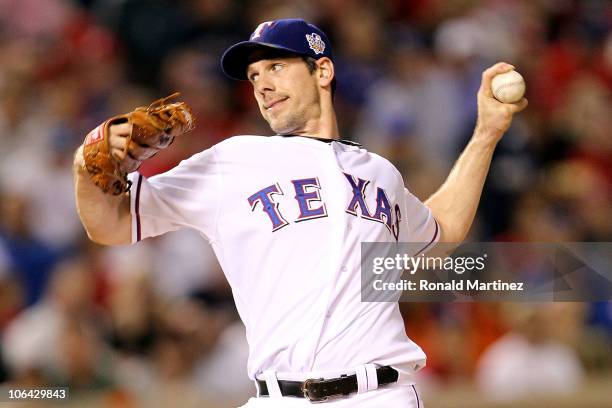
292,35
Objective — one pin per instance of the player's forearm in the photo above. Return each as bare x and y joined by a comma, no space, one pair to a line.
455,203
106,218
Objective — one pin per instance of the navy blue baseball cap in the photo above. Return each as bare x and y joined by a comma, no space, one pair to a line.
292,35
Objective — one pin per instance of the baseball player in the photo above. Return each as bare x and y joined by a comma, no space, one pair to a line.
286,214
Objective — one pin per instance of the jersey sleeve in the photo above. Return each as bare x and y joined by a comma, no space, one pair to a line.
186,196
422,226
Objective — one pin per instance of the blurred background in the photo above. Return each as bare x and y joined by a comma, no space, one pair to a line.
154,324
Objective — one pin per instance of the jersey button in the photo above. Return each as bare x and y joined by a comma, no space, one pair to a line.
344,268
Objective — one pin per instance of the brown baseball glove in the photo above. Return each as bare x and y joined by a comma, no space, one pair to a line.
153,128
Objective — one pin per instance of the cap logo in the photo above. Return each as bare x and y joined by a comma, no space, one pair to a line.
260,29
315,43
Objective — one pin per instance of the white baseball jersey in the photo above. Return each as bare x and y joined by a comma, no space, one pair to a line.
286,217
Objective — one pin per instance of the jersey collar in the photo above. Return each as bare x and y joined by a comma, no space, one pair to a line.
344,141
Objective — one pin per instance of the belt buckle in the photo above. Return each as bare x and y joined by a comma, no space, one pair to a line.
307,392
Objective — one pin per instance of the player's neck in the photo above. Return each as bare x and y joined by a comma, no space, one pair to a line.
323,127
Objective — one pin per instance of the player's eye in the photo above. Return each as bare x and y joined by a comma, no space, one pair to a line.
253,77
276,67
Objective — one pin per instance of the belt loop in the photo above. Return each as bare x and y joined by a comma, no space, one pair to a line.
272,383
362,379
258,390
372,377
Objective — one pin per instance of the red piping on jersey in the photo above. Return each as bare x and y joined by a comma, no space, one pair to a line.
432,240
137,209
417,397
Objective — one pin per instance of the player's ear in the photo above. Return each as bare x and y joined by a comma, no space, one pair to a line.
325,73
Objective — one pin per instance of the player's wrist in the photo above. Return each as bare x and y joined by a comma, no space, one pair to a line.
79,161
485,137
78,156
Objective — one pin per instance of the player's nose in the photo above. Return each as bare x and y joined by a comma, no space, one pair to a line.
264,85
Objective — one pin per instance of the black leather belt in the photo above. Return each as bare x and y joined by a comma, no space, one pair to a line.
319,390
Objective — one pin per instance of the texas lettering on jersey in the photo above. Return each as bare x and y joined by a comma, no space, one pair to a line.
312,207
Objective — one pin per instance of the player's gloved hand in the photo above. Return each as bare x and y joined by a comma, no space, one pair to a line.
494,117
120,145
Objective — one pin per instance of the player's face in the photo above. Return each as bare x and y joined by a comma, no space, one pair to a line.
286,92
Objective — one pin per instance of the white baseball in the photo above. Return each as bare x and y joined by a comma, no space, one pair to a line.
508,87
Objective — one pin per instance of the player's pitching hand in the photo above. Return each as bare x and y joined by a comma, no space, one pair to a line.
494,117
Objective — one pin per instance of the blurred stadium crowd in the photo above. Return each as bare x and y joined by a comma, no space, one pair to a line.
154,324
